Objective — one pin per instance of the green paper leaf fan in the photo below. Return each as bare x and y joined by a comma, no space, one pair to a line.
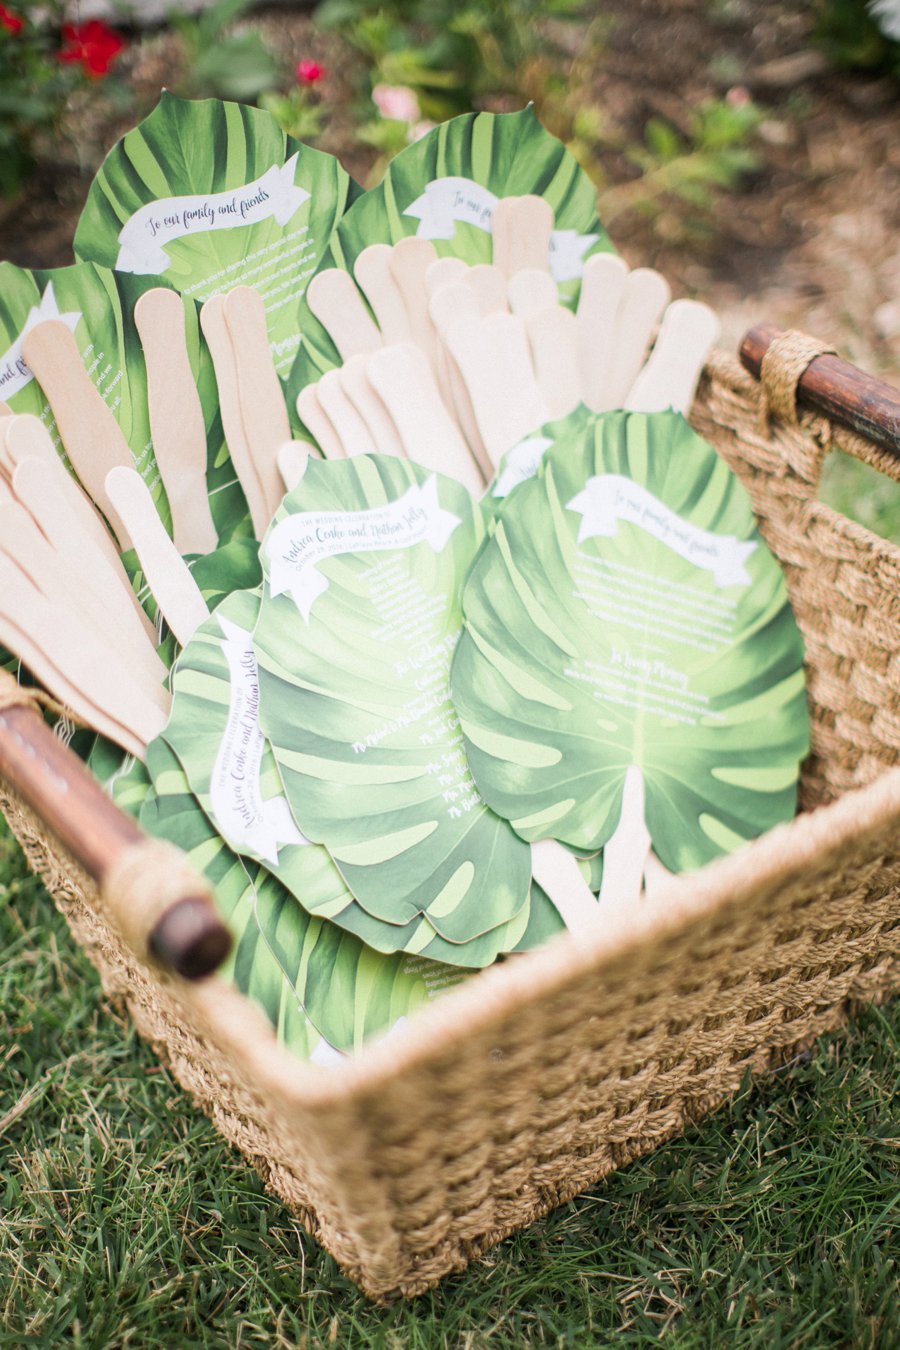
211,195
310,978
364,564
629,636
97,305
214,732
443,188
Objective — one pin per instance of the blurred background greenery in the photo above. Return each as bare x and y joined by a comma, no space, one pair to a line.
747,148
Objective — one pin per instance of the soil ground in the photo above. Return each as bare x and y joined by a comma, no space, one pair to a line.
810,240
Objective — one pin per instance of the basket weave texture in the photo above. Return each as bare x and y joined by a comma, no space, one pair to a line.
530,1082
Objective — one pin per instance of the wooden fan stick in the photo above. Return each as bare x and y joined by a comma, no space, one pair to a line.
91,435
337,304
372,271
168,575
313,417
27,438
355,384
556,870
62,580
626,852
644,296
493,356
212,321
263,411
444,272
402,378
411,260
531,291
521,228
55,642
489,285
553,339
177,424
38,488
189,937
447,305
349,426
670,376
601,292
293,458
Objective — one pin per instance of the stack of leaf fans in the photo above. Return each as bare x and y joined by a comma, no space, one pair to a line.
401,594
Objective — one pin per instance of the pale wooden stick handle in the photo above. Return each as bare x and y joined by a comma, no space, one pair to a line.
93,438
168,575
177,424
263,410
212,321
556,870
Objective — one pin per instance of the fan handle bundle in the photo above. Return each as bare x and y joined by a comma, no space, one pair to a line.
544,1074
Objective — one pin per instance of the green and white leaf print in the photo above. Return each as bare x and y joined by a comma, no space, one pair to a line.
444,188
212,195
628,613
308,976
98,306
364,565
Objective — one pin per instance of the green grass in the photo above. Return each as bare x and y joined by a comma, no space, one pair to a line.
863,494
125,1221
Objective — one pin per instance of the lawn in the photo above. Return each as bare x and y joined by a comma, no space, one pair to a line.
126,1221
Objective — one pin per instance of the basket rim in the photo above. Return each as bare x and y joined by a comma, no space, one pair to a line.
725,886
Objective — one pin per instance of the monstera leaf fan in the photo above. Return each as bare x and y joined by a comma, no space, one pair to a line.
364,566
444,189
630,670
96,306
215,734
212,195
322,989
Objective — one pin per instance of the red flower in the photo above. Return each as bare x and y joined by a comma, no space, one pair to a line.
310,72
92,45
11,21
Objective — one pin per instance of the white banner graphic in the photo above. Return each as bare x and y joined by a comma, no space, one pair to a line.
14,372
300,542
447,200
521,463
244,819
608,498
143,237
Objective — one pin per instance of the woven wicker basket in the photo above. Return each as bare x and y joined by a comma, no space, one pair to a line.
527,1084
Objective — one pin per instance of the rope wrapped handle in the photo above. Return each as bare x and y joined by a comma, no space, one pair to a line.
160,906
798,371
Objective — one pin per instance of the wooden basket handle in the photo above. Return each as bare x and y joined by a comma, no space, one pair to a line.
158,903
797,370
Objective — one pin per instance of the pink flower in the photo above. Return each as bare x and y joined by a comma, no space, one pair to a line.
738,96
10,20
93,45
309,71
396,102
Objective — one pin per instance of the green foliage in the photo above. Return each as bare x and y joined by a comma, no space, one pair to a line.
298,112
692,170
455,56
221,63
849,34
